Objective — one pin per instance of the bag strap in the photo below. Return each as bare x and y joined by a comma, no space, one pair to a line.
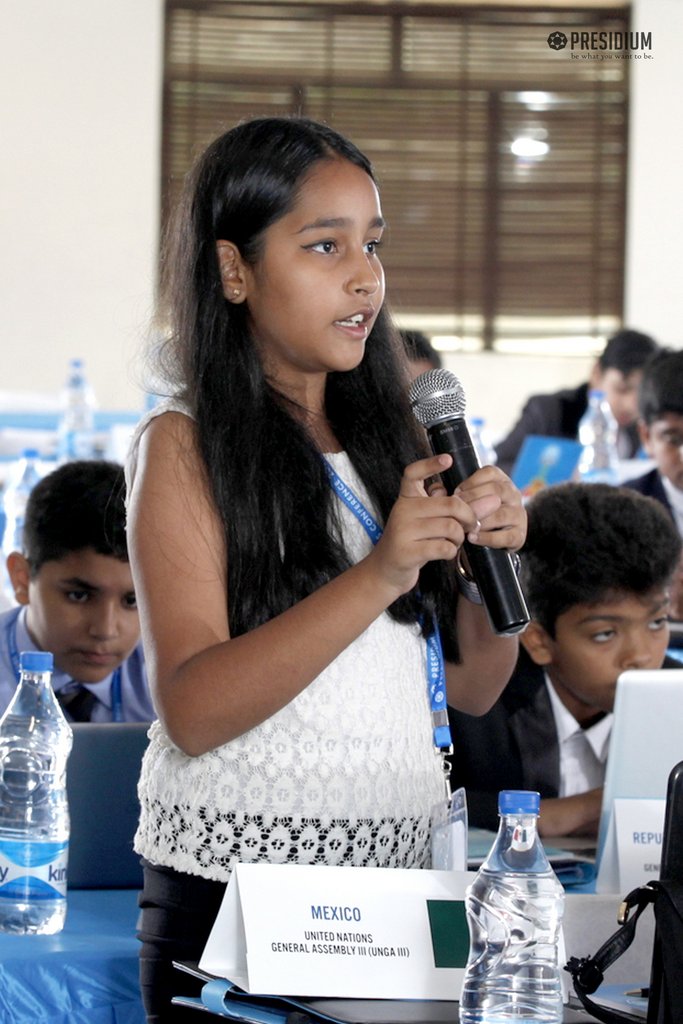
588,972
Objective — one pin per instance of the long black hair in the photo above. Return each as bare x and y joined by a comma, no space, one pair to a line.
266,474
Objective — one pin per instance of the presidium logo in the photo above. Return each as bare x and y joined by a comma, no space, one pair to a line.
595,45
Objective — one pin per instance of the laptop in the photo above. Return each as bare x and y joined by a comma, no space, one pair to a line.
646,741
543,461
101,781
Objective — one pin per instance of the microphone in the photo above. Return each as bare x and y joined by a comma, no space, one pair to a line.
438,402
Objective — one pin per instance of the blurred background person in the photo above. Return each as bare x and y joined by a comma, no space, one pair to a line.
421,354
74,589
660,404
617,372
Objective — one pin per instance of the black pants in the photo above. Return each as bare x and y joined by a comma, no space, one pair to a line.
178,912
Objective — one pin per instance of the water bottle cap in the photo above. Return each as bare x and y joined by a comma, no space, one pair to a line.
30,453
597,393
36,661
518,801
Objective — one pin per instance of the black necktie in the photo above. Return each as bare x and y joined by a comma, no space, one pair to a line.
77,702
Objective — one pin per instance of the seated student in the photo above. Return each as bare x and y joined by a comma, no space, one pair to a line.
660,405
421,354
617,372
596,569
76,598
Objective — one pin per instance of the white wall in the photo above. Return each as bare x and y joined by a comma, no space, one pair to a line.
654,264
79,194
496,385
79,189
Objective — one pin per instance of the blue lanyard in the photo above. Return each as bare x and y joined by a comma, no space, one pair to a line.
11,631
436,673
116,696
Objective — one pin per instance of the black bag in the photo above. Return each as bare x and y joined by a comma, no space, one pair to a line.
666,988
665,1002
665,996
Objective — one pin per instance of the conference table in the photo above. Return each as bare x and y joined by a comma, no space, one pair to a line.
86,974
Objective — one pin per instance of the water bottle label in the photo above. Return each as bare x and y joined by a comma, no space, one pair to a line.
31,870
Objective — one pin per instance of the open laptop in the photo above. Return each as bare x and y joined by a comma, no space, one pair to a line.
101,780
646,740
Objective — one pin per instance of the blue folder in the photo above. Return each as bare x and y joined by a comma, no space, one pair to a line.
543,461
223,999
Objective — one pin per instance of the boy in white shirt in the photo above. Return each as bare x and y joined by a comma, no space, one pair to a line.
74,589
596,571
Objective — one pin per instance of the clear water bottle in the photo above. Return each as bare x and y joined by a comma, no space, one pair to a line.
599,460
76,429
35,741
514,912
25,476
485,451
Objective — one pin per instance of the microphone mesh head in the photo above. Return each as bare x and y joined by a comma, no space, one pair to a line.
436,395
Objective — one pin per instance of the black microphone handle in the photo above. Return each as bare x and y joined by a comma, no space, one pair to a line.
492,568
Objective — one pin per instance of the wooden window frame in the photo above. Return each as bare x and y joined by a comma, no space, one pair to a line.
483,246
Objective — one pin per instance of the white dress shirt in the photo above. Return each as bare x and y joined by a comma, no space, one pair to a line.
136,701
583,752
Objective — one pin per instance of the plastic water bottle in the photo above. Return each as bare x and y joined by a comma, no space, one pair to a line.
599,460
514,910
76,430
485,451
35,741
24,478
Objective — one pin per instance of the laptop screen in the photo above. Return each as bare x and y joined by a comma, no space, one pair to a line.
646,741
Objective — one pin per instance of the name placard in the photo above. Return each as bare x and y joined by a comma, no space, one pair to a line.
376,933
633,846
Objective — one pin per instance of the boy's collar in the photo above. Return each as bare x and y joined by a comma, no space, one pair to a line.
597,733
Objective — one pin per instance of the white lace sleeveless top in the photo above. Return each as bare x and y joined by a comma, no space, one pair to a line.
346,773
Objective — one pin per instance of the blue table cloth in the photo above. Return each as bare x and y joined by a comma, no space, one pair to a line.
87,974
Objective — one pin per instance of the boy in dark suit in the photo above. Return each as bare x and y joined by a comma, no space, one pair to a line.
660,404
596,570
617,371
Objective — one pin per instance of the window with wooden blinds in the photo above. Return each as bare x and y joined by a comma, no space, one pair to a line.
483,243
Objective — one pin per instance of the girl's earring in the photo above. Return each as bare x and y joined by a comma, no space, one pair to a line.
236,293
